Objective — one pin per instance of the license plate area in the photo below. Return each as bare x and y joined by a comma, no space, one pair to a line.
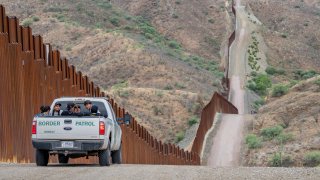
67,144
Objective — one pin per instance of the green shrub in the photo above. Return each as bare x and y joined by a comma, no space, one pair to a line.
253,73
60,17
211,21
168,87
174,44
312,159
258,103
284,138
284,35
180,86
300,74
193,120
115,21
35,18
253,142
271,70
279,90
175,16
272,132
27,22
279,160
260,84
179,136
147,28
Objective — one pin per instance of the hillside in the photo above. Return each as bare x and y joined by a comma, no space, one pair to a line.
145,56
288,126
291,32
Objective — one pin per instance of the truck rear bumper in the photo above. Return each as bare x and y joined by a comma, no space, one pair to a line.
78,145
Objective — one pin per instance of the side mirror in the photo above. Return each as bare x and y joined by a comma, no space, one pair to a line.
125,120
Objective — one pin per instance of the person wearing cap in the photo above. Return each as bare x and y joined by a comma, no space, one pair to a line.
57,109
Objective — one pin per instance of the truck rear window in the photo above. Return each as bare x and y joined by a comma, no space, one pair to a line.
101,107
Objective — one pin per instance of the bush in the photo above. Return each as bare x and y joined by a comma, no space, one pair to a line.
168,87
271,70
272,132
284,138
174,44
35,18
284,35
312,159
258,103
260,84
60,17
27,22
300,74
115,21
253,142
279,90
193,120
180,86
175,16
278,160
211,21
179,136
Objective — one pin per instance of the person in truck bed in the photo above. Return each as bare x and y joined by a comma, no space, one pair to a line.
57,109
95,111
44,111
71,111
77,109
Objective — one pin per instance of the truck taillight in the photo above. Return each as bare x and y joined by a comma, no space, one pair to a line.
34,127
101,128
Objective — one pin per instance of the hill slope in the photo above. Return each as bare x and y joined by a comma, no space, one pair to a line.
289,125
161,77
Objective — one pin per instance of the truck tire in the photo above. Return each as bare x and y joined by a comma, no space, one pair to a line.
104,156
116,156
42,157
63,159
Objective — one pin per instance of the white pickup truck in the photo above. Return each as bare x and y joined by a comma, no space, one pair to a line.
78,136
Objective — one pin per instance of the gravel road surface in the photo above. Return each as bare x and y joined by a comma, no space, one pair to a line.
57,172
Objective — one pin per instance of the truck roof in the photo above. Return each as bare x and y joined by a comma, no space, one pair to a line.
81,98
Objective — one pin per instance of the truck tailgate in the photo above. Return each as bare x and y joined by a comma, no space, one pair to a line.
68,128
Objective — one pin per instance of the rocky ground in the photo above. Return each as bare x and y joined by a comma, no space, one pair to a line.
30,171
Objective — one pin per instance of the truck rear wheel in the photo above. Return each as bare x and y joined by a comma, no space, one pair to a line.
63,159
116,156
104,156
42,157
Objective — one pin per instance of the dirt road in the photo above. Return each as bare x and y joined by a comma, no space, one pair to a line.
226,145
30,171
